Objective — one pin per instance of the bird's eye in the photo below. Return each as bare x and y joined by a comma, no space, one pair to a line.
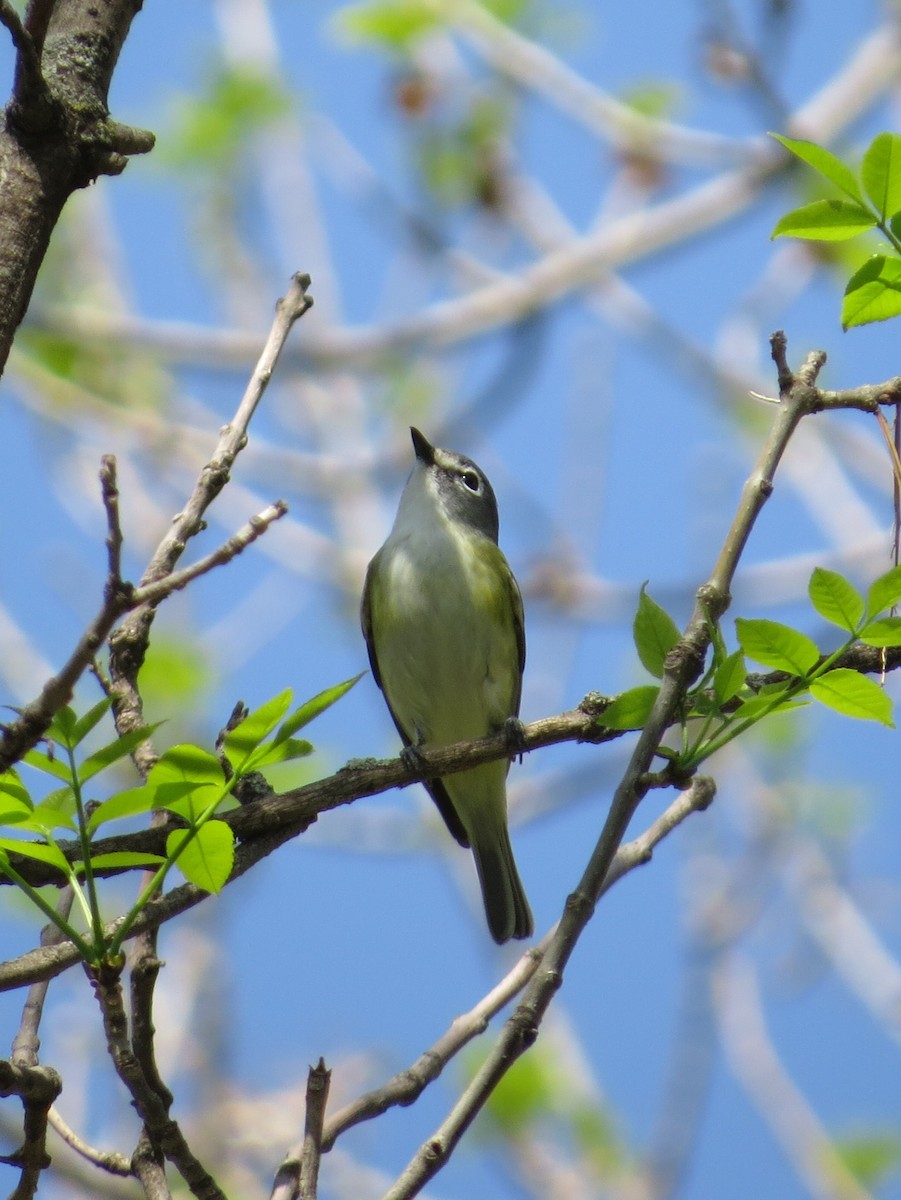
471,480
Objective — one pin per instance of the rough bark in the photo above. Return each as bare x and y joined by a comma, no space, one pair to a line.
57,135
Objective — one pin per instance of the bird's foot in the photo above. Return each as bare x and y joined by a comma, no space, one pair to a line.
515,734
413,759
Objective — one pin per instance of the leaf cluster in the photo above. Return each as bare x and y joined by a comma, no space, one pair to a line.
872,201
726,701
187,781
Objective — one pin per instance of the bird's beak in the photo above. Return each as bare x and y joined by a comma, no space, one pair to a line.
425,451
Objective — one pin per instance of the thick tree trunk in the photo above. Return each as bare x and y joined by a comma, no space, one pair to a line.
57,135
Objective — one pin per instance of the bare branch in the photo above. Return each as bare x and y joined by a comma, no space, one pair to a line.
37,1087
153,593
107,1160
318,1082
162,1131
110,492
128,645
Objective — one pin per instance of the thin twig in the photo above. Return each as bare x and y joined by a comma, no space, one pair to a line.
110,492
32,723
128,645
153,593
406,1087
30,85
110,1161
162,1131
318,1081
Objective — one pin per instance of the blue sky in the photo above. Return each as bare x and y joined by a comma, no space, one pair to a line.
365,936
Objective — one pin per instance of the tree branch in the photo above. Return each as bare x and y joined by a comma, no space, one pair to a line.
798,398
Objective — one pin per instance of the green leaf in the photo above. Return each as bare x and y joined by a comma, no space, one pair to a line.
729,677
393,23
873,292
880,172
13,816
526,1092
885,592
870,1156
62,727
107,755
314,707
654,632
55,811
777,646
882,632
208,858
89,720
186,780
823,161
186,798
277,752
123,804
257,725
825,221
12,790
630,710
854,695
50,766
835,599
123,858
186,763
45,852
767,702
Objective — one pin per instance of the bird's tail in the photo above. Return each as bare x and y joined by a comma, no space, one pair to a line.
504,897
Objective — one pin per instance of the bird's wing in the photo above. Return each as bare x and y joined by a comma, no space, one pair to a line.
434,787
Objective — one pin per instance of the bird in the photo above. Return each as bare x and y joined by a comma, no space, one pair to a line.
442,617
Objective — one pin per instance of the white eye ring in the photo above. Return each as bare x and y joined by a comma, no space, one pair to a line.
470,479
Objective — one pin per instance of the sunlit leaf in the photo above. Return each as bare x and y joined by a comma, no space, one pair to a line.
62,727
870,1156
654,632
885,631
825,221
630,710
884,592
729,677
777,646
393,23
107,755
123,804
55,811
13,791
123,858
836,599
853,695
90,720
314,707
880,172
207,858
186,763
873,292
825,162
279,752
256,726
40,851
50,766
769,702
